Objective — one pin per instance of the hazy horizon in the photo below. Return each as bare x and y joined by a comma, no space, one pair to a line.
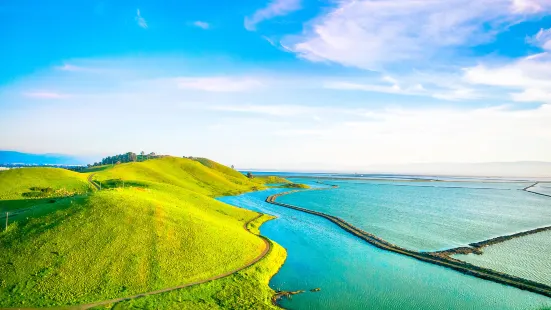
535,169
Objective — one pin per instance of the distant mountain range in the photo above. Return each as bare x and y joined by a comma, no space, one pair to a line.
12,157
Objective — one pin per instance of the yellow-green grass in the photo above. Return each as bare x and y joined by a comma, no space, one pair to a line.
296,185
35,187
14,183
270,180
220,168
180,172
247,289
163,229
119,242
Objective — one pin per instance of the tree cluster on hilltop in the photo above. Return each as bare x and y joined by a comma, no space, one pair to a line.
126,158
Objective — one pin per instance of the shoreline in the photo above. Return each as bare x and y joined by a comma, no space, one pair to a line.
429,257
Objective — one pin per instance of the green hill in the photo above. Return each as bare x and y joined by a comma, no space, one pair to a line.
19,183
161,230
179,172
220,168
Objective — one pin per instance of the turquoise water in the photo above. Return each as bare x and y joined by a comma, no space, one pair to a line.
430,216
355,275
526,257
544,188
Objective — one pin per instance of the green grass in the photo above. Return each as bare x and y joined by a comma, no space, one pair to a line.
296,185
270,180
38,187
248,289
180,172
220,168
163,229
15,183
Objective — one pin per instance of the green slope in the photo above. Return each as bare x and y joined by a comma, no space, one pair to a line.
38,188
220,168
14,183
163,229
180,172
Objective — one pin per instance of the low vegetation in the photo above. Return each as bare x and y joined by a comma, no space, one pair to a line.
247,289
265,179
153,225
296,185
24,188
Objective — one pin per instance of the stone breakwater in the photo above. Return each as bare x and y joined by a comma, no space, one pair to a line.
429,257
527,189
477,247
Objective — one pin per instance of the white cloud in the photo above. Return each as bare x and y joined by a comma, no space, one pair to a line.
273,9
542,39
274,110
372,34
529,75
300,128
45,95
530,6
220,84
140,20
439,90
201,24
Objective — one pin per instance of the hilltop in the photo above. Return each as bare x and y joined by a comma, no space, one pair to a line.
155,224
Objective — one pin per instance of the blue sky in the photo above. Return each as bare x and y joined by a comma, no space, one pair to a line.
281,84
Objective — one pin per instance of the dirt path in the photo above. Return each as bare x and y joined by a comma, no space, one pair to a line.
267,249
433,258
92,182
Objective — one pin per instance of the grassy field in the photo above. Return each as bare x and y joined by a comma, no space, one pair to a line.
20,183
30,187
162,229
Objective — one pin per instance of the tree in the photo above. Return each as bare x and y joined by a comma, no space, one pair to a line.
250,175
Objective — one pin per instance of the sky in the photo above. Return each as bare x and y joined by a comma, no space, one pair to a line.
279,84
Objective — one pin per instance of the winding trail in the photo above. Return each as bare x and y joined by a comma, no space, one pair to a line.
92,182
267,249
433,258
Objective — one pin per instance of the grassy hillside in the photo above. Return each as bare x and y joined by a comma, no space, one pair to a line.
20,183
179,172
263,179
37,187
220,168
163,229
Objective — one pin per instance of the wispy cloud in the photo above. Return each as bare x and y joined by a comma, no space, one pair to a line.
275,8
542,39
390,85
375,34
527,79
140,20
45,95
201,24
530,6
273,110
220,84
